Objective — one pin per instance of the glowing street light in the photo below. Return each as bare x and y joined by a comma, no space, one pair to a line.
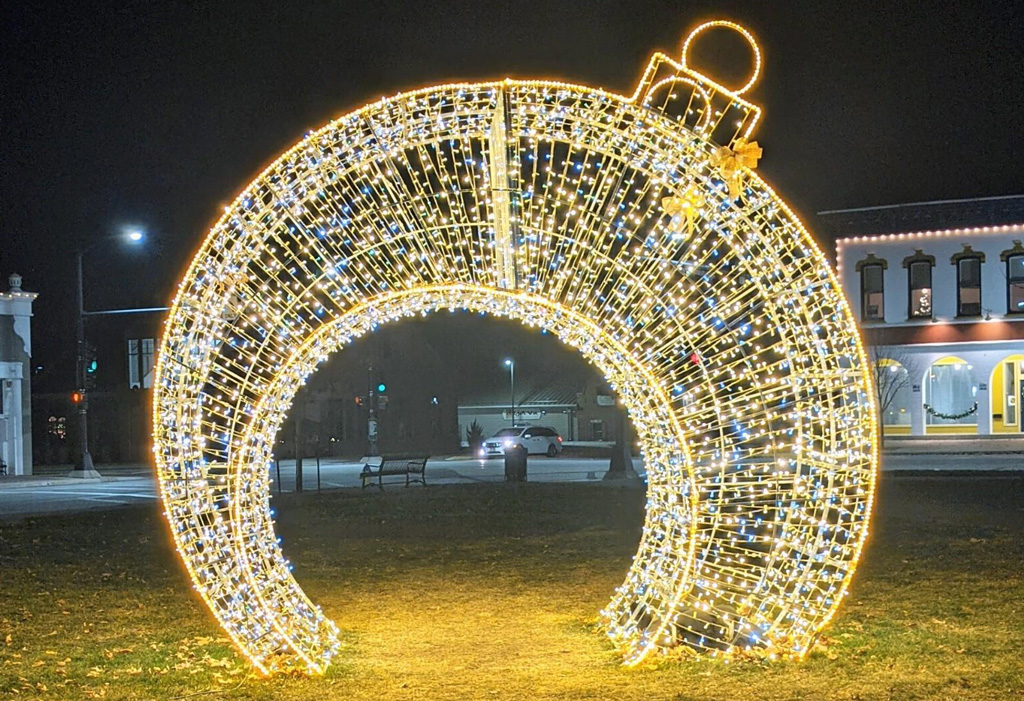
84,466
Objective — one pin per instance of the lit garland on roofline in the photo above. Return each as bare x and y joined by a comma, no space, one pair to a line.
632,228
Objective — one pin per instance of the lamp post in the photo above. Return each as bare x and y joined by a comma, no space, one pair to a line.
511,365
84,466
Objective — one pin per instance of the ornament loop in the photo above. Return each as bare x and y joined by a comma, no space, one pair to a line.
744,33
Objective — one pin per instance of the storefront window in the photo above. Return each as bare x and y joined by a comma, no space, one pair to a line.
950,393
894,393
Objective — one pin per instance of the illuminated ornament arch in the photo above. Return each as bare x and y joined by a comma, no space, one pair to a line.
634,229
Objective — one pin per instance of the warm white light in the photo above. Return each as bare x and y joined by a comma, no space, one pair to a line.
135,236
726,337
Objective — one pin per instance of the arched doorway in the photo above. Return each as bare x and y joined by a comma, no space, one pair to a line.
1006,391
950,397
602,218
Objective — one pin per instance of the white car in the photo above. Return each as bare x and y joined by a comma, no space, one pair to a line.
538,440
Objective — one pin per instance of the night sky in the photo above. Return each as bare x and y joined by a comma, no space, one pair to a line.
155,114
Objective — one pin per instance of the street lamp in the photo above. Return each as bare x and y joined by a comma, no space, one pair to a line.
84,466
511,365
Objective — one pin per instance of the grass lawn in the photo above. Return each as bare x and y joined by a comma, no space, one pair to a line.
489,592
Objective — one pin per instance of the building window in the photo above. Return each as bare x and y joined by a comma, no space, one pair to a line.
140,363
919,276
920,279
1015,284
968,264
872,287
950,393
596,430
919,284
57,427
872,293
968,287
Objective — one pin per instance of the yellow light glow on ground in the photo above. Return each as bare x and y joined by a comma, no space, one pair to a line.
603,218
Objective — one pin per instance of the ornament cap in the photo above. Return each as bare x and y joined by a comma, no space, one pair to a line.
716,112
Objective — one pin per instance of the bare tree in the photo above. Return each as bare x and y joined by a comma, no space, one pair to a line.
893,367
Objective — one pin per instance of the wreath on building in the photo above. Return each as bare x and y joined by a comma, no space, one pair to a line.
951,417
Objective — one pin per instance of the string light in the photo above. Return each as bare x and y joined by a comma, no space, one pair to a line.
726,337
939,233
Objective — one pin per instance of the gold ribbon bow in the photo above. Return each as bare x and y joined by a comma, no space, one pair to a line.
730,163
683,210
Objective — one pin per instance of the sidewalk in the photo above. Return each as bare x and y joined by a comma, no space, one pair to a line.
954,445
57,475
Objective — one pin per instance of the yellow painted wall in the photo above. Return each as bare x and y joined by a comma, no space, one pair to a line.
995,390
951,428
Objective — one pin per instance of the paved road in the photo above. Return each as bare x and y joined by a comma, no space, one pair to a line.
134,487
138,487
75,496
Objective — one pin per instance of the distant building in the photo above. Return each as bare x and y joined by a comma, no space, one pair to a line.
581,410
941,308
119,400
15,378
599,417
549,404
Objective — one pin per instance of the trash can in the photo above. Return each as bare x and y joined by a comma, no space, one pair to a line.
515,463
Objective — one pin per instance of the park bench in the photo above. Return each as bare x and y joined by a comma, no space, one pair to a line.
414,468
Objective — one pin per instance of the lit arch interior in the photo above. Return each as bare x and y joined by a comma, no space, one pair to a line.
718,322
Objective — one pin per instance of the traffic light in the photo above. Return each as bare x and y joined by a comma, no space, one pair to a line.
382,388
359,400
90,365
76,397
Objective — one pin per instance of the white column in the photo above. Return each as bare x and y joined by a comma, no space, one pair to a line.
16,427
917,422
